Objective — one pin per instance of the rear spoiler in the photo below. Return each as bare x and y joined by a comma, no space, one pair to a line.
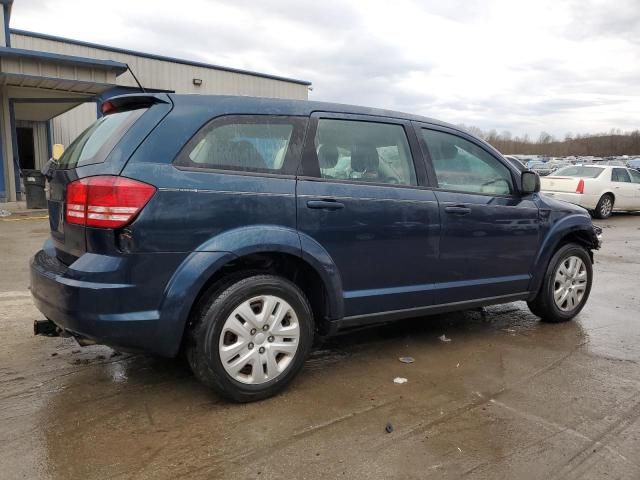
131,101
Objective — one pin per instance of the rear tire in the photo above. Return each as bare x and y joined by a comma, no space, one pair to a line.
566,285
244,352
604,209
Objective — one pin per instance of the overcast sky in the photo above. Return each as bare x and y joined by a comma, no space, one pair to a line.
519,65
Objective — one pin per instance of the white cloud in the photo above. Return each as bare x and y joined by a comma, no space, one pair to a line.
523,66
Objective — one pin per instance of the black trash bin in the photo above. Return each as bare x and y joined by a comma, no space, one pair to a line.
34,182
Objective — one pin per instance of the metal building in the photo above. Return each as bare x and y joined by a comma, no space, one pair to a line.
51,89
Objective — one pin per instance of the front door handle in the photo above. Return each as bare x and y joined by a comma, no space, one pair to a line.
325,204
458,210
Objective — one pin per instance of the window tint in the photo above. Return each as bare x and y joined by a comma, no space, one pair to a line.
254,144
364,151
96,142
635,176
462,166
620,175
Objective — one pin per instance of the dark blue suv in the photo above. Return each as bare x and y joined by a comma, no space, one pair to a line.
237,229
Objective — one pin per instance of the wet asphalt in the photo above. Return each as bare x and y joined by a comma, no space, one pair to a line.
507,397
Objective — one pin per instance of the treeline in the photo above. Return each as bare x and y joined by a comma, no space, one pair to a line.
614,143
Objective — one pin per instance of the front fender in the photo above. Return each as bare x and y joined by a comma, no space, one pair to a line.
560,229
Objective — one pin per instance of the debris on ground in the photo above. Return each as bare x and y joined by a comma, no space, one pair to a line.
4,213
400,380
388,428
407,359
510,331
443,338
457,365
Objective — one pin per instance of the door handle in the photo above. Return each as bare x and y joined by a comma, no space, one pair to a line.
325,205
458,210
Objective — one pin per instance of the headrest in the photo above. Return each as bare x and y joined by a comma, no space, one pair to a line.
364,158
328,156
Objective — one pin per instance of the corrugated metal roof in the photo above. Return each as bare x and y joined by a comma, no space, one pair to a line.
19,53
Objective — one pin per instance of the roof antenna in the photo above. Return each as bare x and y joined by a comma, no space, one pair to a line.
136,79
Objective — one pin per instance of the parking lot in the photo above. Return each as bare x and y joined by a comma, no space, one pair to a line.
506,397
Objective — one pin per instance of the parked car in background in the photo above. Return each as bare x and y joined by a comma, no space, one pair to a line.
614,163
554,165
634,163
237,229
601,189
541,168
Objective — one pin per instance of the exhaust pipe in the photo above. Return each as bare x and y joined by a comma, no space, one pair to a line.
46,328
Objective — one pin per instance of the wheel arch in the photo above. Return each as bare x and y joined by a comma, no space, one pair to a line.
571,229
265,249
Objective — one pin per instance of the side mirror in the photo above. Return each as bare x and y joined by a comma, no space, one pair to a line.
58,150
530,182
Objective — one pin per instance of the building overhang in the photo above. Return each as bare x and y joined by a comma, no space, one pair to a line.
60,73
43,85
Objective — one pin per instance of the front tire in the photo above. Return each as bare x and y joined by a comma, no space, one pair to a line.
566,285
604,208
250,339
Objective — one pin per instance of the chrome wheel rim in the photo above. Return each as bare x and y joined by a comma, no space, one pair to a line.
259,340
570,283
605,207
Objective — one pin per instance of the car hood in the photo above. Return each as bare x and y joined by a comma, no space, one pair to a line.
556,205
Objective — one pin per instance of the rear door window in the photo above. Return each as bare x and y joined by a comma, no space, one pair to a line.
261,144
635,176
96,142
364,152
620,175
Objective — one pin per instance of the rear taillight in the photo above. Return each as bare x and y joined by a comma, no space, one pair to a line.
107,107
580,187
106,201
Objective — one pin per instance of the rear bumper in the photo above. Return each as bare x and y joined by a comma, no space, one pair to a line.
85,300
586,201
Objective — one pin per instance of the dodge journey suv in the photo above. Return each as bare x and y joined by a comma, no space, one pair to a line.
237,230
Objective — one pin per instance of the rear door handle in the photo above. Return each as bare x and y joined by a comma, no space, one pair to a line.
325,204
458,210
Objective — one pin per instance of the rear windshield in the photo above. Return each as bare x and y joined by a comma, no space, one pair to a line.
96,142
579,171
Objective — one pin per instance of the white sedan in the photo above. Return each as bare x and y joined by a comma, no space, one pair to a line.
601,189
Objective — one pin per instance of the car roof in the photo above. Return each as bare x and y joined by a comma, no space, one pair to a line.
258,105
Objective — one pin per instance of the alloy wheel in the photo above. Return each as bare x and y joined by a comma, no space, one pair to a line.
606,206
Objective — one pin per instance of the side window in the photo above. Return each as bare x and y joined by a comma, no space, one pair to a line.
462,166
248,144
620,175
635,176
364,151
